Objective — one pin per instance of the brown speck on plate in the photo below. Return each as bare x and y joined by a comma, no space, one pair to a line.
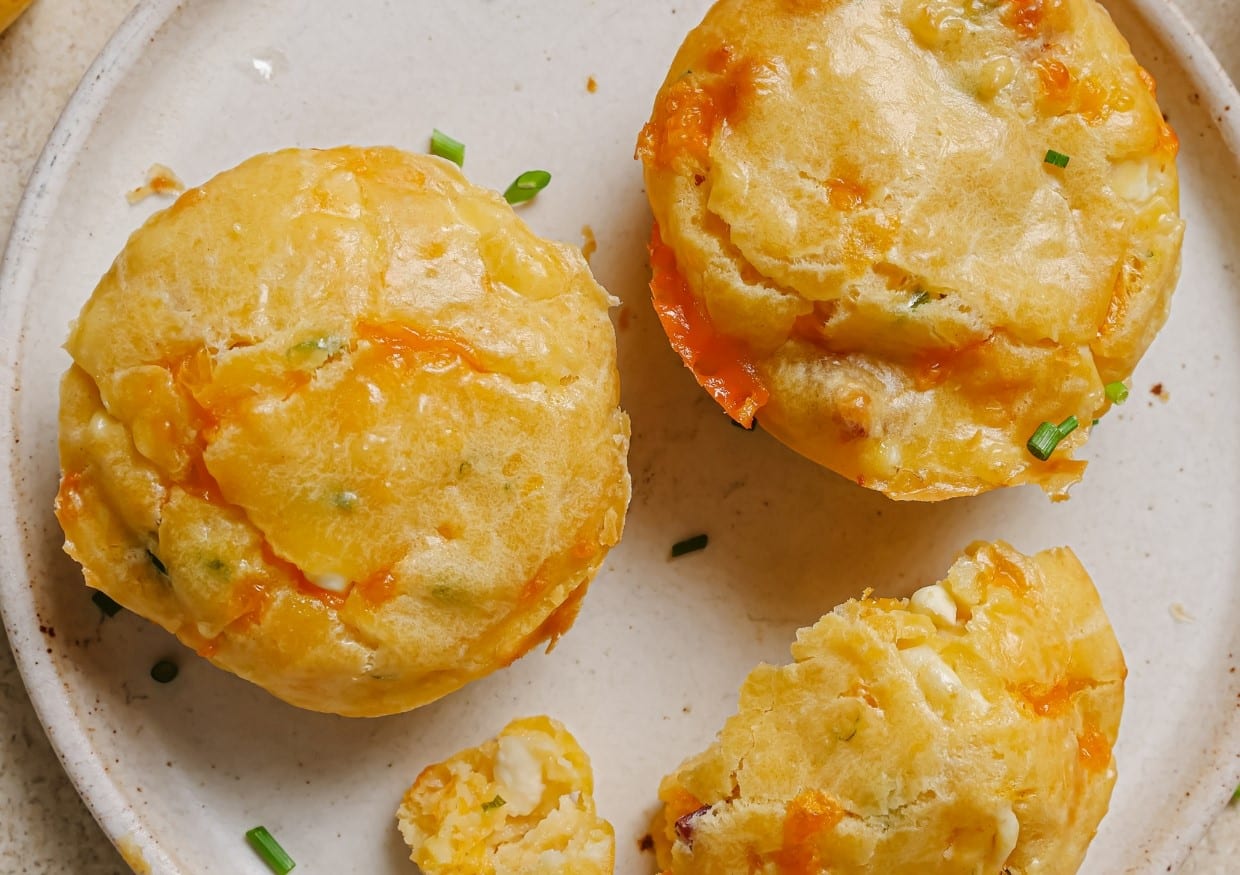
589,243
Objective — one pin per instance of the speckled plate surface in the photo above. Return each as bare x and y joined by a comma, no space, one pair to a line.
177,773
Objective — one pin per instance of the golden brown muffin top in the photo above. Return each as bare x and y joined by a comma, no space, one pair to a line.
858,195
363,418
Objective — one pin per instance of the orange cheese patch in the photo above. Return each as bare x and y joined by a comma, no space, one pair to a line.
689,112
1053,700
806,818
722,365
1093,748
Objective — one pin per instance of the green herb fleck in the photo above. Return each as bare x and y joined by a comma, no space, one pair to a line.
526,186
265,845
315,344
446,147
497,802
919,299
164,671
1048,436
346,500
1235,797
105,604
1096,421
690,545
159,566
1058,159
317,350
1117,392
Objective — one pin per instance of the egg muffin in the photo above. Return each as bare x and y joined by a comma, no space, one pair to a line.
519,804
342,423
967,729
903,234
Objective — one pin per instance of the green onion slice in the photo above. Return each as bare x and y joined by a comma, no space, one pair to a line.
105,604
446,147
919,299
1059,159
1117,392
1048,436
164,671
526,186
497,802
265,845
690,545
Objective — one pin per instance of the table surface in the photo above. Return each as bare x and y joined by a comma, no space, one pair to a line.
46,828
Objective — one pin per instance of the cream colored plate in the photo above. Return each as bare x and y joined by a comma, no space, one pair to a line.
177,773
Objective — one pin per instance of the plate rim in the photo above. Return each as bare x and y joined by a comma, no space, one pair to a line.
129,834
138,844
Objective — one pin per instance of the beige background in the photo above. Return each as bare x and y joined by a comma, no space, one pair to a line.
45,827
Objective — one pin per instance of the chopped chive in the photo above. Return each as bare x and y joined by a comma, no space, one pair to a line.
316,351
164,672
1043,442
1235,797
105,604
1059,159
330,345
265,845
497,802
1048,436
921,298
159,566
526,186
1117,392
1096,421
690,545
446,147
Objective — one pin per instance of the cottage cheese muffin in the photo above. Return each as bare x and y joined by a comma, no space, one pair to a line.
965,730
904,233
342,423
520,804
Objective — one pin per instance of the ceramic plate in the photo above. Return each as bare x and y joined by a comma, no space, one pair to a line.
177,773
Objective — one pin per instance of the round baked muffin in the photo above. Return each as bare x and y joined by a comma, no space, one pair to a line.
966,730
865,238
341,422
